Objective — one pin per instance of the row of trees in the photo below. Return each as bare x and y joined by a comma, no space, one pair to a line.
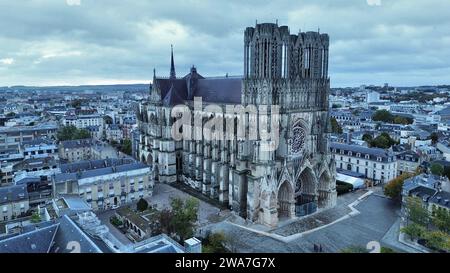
433,228
72,133
386,116
438,169
383,141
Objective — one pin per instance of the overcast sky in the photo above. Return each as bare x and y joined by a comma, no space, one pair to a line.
73,42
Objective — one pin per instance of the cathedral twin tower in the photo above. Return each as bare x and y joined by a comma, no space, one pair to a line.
272,52
290,71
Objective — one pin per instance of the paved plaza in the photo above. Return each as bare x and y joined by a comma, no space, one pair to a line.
359,218
376,217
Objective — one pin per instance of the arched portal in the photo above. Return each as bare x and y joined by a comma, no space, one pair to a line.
324,188
306,190
285,200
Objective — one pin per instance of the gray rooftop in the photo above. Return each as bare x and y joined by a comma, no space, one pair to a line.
70,232
373,153
423,192
442,199
13,194
44,126
87,169
429,181
36,241
224,90
80,143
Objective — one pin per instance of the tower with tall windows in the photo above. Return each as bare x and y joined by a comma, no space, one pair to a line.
290,71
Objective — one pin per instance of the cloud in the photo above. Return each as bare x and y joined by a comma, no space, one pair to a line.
73,2
403,42
374,2
7,61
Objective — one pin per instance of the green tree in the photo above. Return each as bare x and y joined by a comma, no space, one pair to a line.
367,138
383,141
35,218
215,243
383,115
403,120
185,215
414,231
126,147
437,240
437,169
142,205
335,126
393,188
165,221
441,219
11,115
72,133
416,212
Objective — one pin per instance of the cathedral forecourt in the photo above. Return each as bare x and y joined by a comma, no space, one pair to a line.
285,72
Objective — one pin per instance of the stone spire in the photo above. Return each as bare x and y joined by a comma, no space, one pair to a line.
173,75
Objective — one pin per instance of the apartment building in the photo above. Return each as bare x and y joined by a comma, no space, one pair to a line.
376,164
105,183
13,202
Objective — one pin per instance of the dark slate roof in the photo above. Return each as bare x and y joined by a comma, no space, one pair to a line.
423,192
37,142
442,199
70,232
220,90
13,194
72,144
373,153
172,97
86,169
408,156
223,90
36,241
165,84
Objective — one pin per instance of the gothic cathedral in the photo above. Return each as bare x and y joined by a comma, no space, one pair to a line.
293,180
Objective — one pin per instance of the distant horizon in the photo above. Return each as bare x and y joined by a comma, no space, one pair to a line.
147,83
402,42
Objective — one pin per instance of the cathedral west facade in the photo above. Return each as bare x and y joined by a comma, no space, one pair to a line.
262,185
